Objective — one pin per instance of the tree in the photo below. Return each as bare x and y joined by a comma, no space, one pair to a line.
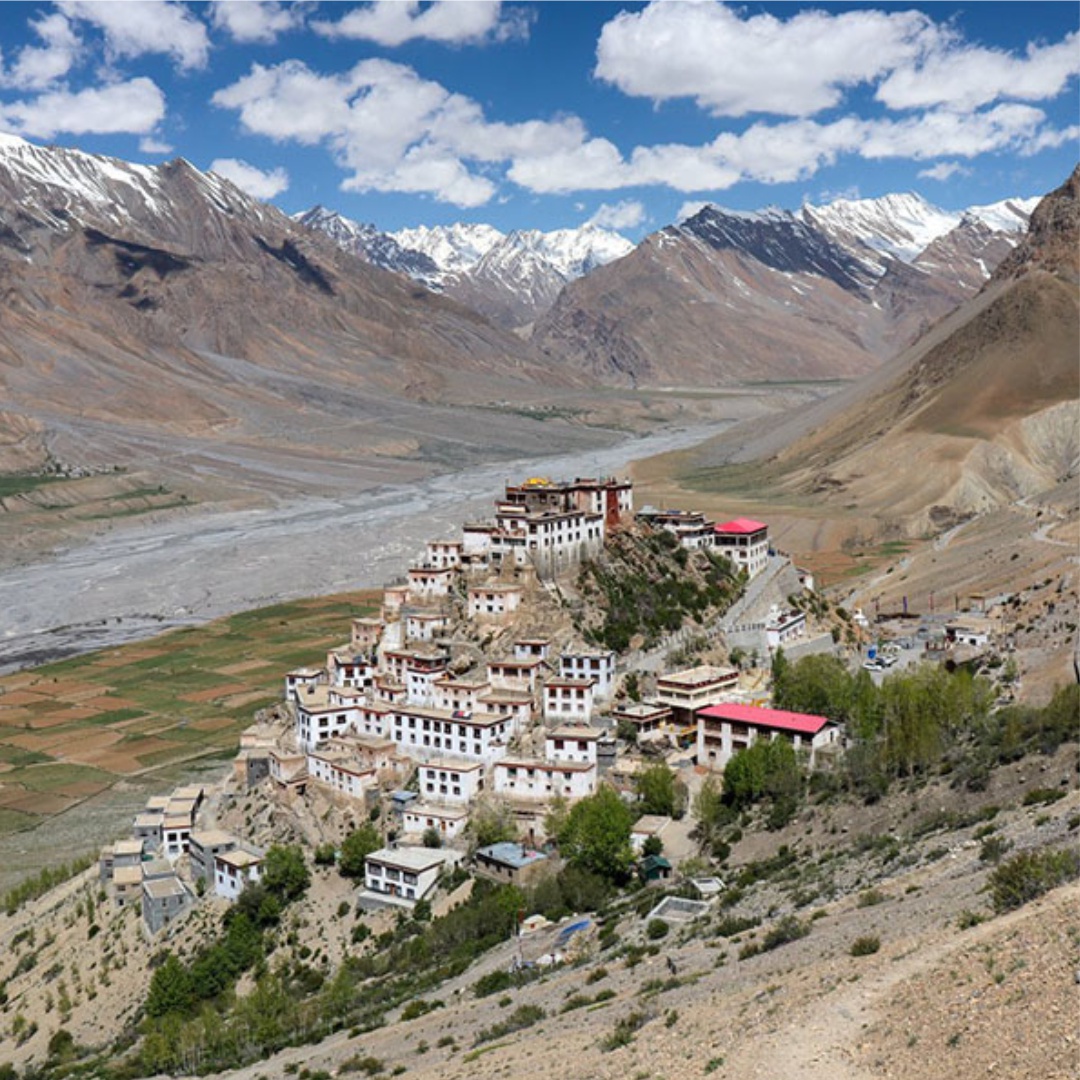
432,838
171,990
818,684
492,822
284,872
596,836
658,791
713,816
355,849
653,846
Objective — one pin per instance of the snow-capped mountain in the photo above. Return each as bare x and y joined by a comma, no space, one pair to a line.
165,300
378,248
903,226
512,278
726,295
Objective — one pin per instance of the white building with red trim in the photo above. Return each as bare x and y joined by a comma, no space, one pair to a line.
541,781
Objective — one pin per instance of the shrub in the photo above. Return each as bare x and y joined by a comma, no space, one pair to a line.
866,945
656,929
871,897
522,1017
372,1066
624,1031
788,929
993,849
1030,874
1043,796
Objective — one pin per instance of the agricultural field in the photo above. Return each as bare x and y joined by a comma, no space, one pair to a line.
71,730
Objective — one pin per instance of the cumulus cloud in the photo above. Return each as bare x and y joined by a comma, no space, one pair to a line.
151,144
136,106
256,21
627,214
392,129
256,182
138,27
394,22
943,170
36,66
965,78
732,64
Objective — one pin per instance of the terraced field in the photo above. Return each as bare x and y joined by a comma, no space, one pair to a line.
71,730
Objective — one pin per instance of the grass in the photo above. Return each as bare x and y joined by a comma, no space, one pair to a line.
141,689
20,484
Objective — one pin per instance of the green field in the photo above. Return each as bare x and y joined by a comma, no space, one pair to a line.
70,730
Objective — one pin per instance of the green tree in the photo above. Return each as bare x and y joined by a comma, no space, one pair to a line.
171,989
356,847
658,791
284,872
432,838
713,816
818,684
596,835
491,822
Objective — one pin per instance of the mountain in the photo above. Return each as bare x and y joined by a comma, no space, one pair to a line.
726,296
367,243
160,314
510,278
979,413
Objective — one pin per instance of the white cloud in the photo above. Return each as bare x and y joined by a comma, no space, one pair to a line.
690,209
965,77
393,130
733,64
261,185
151,144
38,66
943,170
394,22
136,106
627,214
137,27
256,21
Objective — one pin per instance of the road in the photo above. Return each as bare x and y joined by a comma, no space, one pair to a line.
138,580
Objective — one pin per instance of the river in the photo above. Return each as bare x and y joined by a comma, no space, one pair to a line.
141,579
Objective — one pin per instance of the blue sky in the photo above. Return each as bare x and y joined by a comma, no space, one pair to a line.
549,115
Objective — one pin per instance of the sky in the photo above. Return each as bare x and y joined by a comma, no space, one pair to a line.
553,115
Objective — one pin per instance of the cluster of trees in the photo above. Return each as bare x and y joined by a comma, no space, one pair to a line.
177,988
902,728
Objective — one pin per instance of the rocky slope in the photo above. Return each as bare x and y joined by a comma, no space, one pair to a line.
828,291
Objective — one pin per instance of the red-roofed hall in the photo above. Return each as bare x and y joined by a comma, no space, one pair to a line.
723,730
745,542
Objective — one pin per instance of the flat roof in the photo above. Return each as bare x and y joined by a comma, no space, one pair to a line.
476,719
642,710
162,888
127,875
549,766
438,810
650,824
510,854
239,858
408,858
568,731
128,847
567,680
758,716
148,819
452,764
741,526
698,676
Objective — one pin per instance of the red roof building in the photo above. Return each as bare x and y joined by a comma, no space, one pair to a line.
745,542
725,729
